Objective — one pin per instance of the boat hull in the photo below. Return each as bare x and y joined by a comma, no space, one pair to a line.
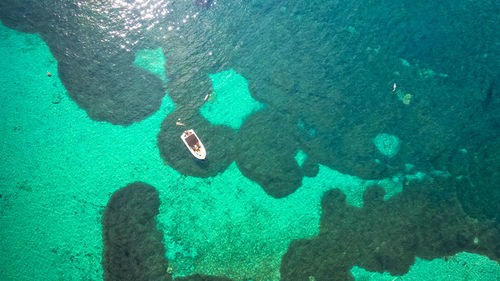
194,144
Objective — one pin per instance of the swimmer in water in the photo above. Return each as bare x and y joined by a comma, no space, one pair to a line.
179,123
394,87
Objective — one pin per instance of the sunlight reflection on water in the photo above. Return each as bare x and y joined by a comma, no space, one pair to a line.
123,20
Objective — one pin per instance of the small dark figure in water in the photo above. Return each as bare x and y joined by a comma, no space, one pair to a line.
204,3
489,95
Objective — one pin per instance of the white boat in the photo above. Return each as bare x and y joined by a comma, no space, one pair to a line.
193,143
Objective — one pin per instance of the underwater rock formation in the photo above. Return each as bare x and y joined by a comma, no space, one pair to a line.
133,248
479,169
266,148
96,68
309,60
93,86
425,220
218,140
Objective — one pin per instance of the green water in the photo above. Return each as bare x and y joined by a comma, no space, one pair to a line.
59,169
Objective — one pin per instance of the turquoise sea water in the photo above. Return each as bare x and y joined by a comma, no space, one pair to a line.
346,141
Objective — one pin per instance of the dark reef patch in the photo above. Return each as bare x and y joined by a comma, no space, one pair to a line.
93,86
189,62
265,153
337,79
96,68
479,169
425,220
218,140
133,248
328,65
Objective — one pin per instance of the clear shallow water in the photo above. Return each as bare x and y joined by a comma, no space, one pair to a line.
320,78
